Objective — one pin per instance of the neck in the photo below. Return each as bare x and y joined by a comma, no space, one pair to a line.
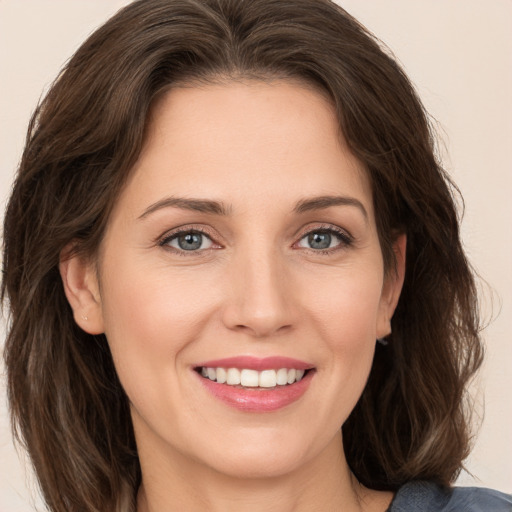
325,483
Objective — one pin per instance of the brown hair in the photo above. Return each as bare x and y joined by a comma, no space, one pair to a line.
67,404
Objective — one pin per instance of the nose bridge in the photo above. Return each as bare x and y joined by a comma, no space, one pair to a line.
260,301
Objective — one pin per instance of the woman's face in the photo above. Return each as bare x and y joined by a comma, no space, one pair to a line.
244,240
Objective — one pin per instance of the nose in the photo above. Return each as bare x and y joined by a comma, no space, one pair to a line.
260,300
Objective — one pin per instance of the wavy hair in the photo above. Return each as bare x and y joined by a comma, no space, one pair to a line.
68,407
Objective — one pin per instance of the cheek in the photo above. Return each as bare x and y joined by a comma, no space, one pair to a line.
346,306
150,317
346,319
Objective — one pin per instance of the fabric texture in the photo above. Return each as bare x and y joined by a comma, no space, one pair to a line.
430,497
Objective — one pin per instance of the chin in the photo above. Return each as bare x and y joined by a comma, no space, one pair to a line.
258,466
263,456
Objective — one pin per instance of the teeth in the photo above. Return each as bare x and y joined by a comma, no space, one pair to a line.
252,378
221,375
233,377
249,378
267,379
282,376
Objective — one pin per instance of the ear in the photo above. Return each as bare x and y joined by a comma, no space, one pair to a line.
392,288
81,287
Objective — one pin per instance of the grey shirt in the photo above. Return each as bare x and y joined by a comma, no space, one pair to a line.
430,497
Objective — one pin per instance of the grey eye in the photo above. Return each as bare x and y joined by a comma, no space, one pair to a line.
319,240
322,239
190,241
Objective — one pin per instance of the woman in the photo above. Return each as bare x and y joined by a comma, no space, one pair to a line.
213,222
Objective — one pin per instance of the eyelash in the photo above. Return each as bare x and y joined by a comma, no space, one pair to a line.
345,240
168,237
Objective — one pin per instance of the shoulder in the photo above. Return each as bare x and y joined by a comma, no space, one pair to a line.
430,497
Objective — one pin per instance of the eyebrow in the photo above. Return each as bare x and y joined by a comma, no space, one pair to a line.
196,205
323,202
218,208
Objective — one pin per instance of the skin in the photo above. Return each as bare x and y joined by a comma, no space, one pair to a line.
255,287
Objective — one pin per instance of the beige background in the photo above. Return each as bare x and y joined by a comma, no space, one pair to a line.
459,55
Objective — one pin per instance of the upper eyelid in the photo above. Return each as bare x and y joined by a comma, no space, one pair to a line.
163,239
184,229
326,227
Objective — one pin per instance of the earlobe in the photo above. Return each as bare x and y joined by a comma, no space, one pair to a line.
392,288
82,290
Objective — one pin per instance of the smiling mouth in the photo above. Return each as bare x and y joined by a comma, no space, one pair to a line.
248,378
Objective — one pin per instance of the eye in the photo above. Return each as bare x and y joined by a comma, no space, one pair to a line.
325,238
188,241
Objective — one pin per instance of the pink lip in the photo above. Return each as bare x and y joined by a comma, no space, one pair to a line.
257,399
255,363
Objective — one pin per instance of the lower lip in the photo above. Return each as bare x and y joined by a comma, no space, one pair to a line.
257,399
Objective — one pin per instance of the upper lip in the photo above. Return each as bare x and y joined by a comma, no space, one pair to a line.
257,363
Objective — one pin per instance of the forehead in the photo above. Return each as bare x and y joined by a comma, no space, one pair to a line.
246,140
